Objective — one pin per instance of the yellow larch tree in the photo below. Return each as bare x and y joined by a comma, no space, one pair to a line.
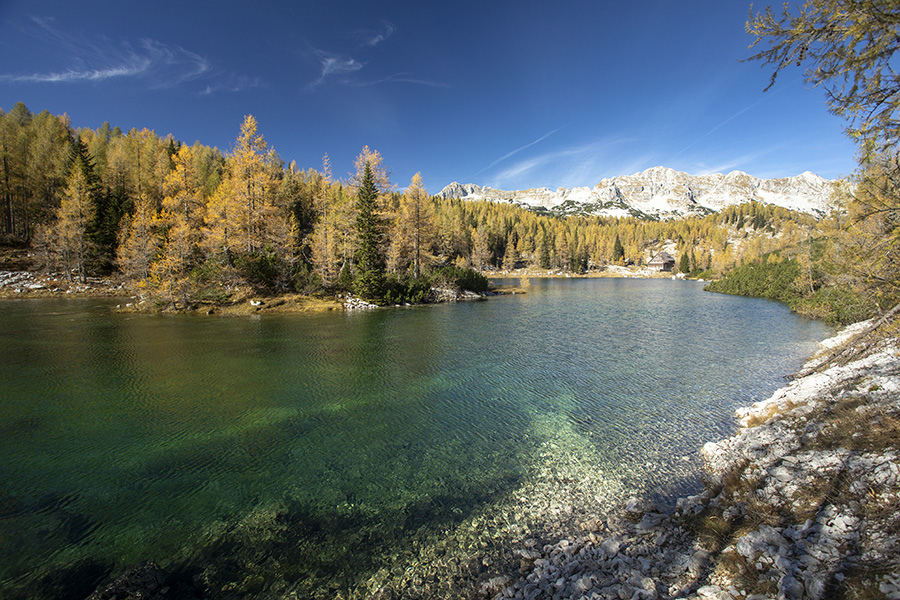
414,230
76,212
324,238
376,164
180,219
241,214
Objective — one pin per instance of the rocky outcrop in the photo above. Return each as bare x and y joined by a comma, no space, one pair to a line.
443,294
665,193
352,302
801,503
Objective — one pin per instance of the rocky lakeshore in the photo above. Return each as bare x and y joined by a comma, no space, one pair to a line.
801,503
26,284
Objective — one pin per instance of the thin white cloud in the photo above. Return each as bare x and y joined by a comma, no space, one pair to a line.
748,162
333,65
79,75
517,150
174,64
386,32
404,78
232,83
573,166
738,113
157,64
338,67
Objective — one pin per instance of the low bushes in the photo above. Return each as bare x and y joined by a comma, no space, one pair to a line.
782,280
400,289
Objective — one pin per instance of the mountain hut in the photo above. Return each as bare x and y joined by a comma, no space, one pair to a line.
662,262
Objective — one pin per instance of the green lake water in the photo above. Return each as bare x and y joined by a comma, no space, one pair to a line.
314,448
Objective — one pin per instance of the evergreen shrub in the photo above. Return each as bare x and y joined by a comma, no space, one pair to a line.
461,278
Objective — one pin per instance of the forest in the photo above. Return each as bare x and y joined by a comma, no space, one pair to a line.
186,225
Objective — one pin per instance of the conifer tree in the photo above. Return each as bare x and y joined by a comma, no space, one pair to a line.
618,250
324,235
47,154
545,252
510,257
181,218
684,265
138,242
252,184
241,216
14,141
481,251
369,259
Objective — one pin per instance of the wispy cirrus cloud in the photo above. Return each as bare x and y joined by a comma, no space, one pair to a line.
156,64
75,74
340,67
403,78
333,65
746,161
726,121
386,32
231,83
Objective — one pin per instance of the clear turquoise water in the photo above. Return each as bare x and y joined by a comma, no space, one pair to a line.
132,437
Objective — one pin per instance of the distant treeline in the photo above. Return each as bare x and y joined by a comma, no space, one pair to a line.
185,223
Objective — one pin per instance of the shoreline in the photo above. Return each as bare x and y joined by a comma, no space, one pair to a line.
802,502
29,284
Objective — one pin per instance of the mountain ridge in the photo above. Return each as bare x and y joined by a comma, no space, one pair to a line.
664,193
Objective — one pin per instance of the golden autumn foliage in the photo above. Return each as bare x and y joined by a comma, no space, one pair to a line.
195,222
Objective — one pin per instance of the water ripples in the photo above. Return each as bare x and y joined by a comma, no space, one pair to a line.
138,422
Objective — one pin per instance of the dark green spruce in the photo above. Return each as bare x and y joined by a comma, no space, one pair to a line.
370,266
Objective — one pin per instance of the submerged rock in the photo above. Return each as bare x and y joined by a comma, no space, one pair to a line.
141,582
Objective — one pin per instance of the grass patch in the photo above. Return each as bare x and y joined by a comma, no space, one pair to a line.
759,418
859,583
854,424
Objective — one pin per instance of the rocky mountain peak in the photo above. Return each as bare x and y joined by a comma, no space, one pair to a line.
458,190
664,193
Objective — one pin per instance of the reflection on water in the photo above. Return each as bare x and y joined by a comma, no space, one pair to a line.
326,443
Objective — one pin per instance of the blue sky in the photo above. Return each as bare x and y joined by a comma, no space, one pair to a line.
510,94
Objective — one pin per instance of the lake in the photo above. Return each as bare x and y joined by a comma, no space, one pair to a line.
343,453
